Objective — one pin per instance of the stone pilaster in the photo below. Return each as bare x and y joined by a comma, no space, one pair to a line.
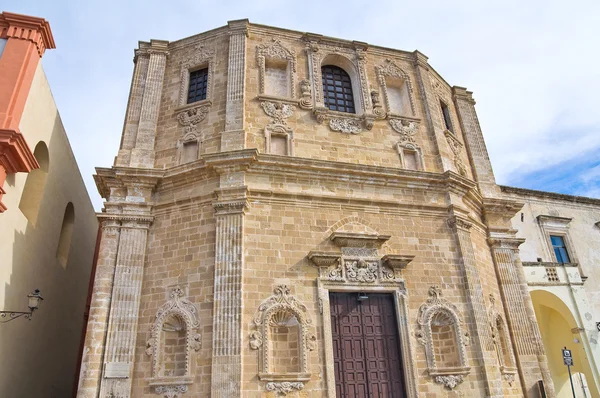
482,339
124,307
228,306
142,155
480,160
92,359
233,137
520,315
431,104
134,107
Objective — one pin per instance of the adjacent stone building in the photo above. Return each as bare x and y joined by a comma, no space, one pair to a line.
295,215
48,227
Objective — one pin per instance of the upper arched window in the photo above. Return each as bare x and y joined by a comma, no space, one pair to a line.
337,89
31,197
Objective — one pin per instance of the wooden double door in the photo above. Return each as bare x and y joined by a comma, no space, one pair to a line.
366,346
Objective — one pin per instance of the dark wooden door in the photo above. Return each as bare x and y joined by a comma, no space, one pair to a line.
366,346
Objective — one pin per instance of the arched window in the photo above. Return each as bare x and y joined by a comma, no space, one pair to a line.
34,186
337,89
66,232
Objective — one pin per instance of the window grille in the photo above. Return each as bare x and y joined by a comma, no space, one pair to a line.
337,89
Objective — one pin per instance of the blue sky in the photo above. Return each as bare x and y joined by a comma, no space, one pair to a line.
533,68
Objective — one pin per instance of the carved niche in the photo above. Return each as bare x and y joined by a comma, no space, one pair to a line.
354,61
283,311
440,330
407,145
274,50
456,148
502,343
177,315
389,69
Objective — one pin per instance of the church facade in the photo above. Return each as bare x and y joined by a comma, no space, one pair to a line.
295,215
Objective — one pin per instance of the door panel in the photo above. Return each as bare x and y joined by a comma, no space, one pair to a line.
366,346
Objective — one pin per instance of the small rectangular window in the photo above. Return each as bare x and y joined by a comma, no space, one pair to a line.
446,114
198,85
279,145
560,250
190,152
276,78
410,160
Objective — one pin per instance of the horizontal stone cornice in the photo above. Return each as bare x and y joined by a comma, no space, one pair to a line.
125,220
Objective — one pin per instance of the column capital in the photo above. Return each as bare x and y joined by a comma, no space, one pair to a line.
460,222
238,27
421,59
125,221
24,27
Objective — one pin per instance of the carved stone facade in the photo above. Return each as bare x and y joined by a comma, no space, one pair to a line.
281,205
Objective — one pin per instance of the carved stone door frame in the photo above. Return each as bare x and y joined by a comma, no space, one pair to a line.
401,305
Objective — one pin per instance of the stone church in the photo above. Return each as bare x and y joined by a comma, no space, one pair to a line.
291,214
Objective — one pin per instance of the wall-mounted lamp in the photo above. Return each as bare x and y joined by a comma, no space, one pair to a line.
362,296
34,302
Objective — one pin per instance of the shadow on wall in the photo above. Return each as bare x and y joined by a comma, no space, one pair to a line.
40,356
556,322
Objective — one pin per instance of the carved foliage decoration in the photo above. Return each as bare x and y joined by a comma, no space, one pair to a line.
285,387
278,126
190,118
278,308
390,69
201,57
183,310
436,305
456,148
407,128
171,391
276,50
278,111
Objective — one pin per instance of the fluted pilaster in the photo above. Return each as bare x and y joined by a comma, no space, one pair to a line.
134,107
482,337
227,328
142,155
525,333
233,136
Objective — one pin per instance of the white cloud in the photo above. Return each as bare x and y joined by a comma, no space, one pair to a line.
532,65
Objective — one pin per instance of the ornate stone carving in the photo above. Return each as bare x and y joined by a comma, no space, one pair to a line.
171,391
275,50
190,118
361,270
187,313
501,341
282,305
434,305
348,126
378,110
450,382
456,148
305,95
407,128
285,387
389,68
510,378
201,56
278,111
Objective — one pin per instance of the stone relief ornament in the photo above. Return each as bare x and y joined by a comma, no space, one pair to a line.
170,391
407,128
186,312
285,387
306,95
275,50
276,310
450,382
378,110
361,270
348,126
190,118
456,148
278,111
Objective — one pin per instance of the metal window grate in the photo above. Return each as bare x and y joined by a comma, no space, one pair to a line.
337,89
198,85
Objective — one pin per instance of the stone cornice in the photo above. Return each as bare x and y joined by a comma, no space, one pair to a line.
396,261
548,264
549,195
506,207
349,239
25,27
15,155
554,220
